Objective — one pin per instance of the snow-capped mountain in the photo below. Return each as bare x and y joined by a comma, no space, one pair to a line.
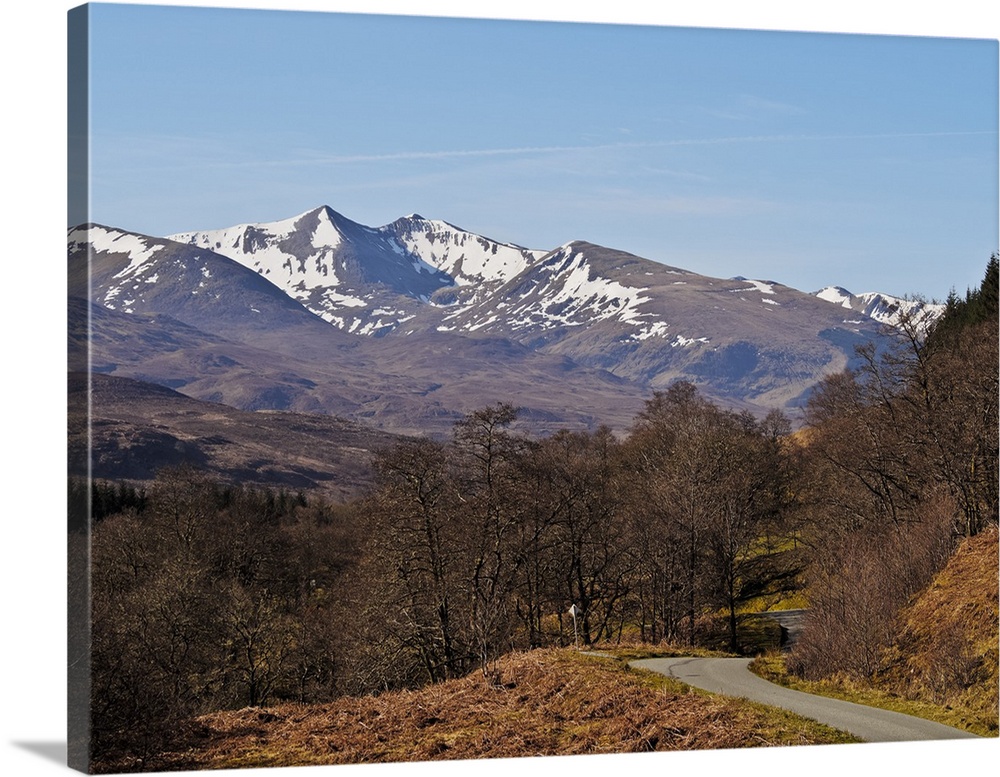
133,273
361,279
373,280
369,280
885,308
415,322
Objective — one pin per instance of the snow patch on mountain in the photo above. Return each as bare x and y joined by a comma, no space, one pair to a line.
764,287
684,342
325,236
835,294
103,240
654,329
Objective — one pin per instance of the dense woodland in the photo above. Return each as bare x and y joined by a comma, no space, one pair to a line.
207,597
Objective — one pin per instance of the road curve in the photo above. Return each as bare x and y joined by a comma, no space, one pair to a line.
731,677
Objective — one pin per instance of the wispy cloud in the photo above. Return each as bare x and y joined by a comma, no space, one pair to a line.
752,108
149,154
764,105
530,150
658,205
666,172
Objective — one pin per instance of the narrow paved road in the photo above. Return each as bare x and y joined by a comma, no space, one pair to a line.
791,622
731,677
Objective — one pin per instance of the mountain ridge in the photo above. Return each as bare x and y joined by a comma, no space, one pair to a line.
886,308
373,308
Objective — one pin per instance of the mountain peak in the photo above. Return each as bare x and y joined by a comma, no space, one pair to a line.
323,213
573,245
416,221
834,290
838,295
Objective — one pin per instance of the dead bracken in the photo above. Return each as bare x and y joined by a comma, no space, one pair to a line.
556,702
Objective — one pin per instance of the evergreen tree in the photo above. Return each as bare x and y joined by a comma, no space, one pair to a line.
977,306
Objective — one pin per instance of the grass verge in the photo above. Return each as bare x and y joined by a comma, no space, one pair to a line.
771,666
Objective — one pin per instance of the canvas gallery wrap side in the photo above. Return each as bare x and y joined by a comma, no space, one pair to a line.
453,389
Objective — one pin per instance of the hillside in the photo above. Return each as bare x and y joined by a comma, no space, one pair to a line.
554,702
947,651
138,428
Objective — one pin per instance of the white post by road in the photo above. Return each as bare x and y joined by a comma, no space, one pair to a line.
573,610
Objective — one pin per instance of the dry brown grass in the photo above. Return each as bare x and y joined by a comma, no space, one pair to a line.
947,652
554,702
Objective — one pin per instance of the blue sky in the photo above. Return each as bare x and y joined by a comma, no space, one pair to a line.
866,161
